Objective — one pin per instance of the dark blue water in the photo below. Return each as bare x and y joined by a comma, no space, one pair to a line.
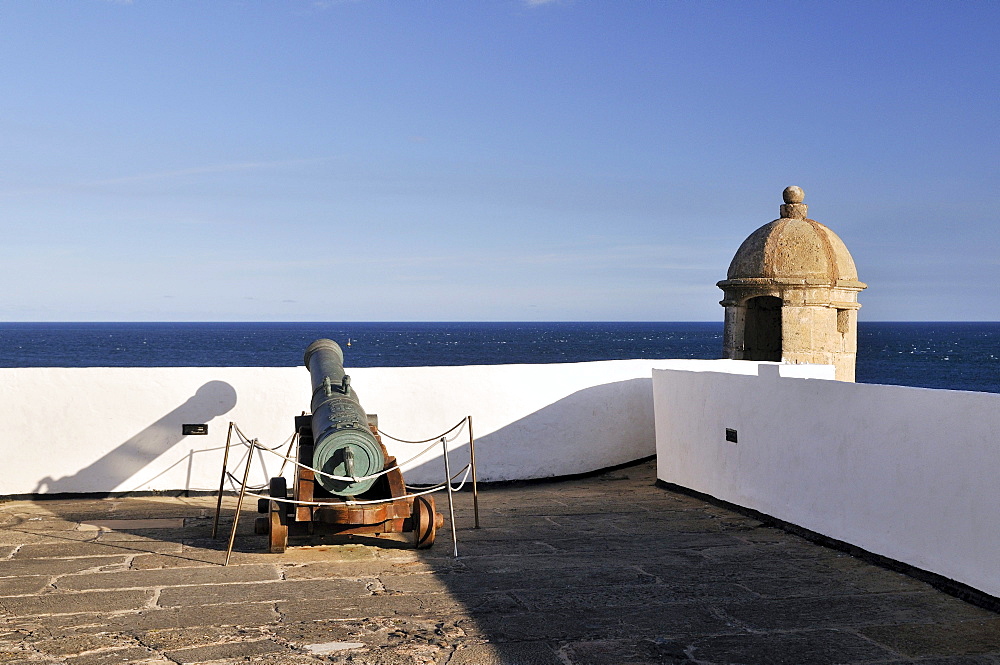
956,356
960,356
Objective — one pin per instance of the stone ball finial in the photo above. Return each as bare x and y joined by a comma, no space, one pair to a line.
793,207
793,194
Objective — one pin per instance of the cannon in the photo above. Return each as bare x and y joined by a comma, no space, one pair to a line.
345,481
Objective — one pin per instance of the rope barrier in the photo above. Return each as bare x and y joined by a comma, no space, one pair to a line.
423,487
239,463
254,444
350,502
352,479
345,479
251,445
435,439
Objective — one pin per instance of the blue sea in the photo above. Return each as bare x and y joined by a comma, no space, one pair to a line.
959,356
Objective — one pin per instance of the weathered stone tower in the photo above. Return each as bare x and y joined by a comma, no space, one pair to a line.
792,294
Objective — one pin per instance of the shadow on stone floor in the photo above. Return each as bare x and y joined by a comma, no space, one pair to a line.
601,570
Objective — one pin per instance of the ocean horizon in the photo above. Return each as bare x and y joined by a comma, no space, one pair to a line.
946,354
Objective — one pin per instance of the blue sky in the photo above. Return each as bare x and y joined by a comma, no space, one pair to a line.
374,160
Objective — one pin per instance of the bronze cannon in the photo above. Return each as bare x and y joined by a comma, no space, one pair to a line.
345,481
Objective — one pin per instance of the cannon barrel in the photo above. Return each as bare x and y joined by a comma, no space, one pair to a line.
343,445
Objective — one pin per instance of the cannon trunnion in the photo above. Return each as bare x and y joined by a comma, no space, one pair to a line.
340,440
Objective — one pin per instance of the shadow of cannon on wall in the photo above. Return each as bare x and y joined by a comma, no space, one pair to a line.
210,401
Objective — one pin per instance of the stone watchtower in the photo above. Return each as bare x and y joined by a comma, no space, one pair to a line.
792,294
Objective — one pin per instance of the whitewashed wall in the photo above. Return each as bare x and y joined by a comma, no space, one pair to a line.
119,429
907,473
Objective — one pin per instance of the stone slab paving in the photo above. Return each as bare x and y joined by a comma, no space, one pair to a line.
609,570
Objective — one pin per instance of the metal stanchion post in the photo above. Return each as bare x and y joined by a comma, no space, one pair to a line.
451,502
475,486
239,502
222,482
288,453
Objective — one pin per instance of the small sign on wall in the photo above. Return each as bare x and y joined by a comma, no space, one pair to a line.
730,435
194,430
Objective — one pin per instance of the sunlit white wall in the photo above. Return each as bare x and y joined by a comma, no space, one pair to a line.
119,429
907,473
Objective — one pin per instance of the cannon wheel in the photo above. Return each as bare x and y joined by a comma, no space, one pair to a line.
278,515
424,522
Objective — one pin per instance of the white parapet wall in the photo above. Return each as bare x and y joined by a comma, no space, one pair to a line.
119,429
906,473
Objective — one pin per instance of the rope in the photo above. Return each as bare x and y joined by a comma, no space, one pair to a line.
433,438
238,463
246,442
352,479
345,479
291,442
352,502
421,487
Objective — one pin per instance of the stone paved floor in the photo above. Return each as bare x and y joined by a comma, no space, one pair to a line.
604,571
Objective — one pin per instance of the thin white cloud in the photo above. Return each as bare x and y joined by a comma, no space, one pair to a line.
326,4
229,167
212,168
610,256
